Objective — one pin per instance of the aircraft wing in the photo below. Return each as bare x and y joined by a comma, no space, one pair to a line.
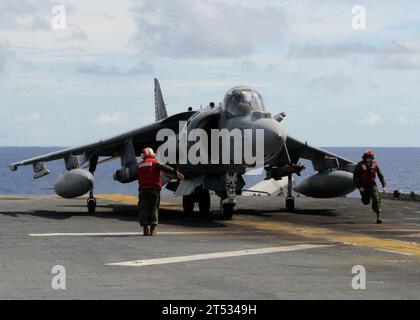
112,147
321,159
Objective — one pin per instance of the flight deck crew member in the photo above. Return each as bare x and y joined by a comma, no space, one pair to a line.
364,179
148,173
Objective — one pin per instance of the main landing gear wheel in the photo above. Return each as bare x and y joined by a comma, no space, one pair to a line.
200,195
203,196
188,204
290,203
91,204
226,210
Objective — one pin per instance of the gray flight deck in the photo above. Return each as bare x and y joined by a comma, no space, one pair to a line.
264,252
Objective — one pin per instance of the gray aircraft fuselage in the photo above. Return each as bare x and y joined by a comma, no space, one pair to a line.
220,119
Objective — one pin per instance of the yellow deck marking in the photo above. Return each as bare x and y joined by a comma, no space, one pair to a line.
128,199
305,231
119,234
118,198
328,234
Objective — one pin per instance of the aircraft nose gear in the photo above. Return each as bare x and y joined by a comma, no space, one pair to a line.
290,200
227,204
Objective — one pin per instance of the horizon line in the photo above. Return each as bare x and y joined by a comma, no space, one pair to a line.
39,146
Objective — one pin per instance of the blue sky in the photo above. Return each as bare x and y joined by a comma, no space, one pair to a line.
338,86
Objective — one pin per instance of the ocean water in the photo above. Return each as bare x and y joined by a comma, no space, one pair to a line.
401,167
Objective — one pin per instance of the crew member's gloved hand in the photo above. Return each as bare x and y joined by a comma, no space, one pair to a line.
180,176
384,189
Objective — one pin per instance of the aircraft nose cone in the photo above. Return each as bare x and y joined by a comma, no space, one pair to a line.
274,135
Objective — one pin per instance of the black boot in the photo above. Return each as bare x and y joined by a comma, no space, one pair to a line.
152,230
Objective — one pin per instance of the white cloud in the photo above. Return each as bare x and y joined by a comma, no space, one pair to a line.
399,62
185,28
113,119
402,120
333,82
329,50
252,67
31,119
5,54
25,14
27,23
372,119
249,35
72,32
114,70
341,50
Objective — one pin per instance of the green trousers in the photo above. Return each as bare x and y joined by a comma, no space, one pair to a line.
149,201
372,193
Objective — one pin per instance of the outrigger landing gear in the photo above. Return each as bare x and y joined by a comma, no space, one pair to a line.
91,203
290,200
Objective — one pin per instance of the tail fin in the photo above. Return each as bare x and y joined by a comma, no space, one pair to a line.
160,108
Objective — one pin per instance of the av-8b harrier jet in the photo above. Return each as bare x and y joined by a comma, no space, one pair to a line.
242,109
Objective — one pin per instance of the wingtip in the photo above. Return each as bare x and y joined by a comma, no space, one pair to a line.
13,167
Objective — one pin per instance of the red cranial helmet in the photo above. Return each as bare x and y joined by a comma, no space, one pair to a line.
148,153
369,154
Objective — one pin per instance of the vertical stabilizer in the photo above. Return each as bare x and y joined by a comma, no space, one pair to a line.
160,108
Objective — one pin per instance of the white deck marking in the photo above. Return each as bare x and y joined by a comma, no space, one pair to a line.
217,255
99,234
414,235
395,252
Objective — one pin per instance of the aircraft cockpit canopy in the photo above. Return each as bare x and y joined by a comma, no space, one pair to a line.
242,100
